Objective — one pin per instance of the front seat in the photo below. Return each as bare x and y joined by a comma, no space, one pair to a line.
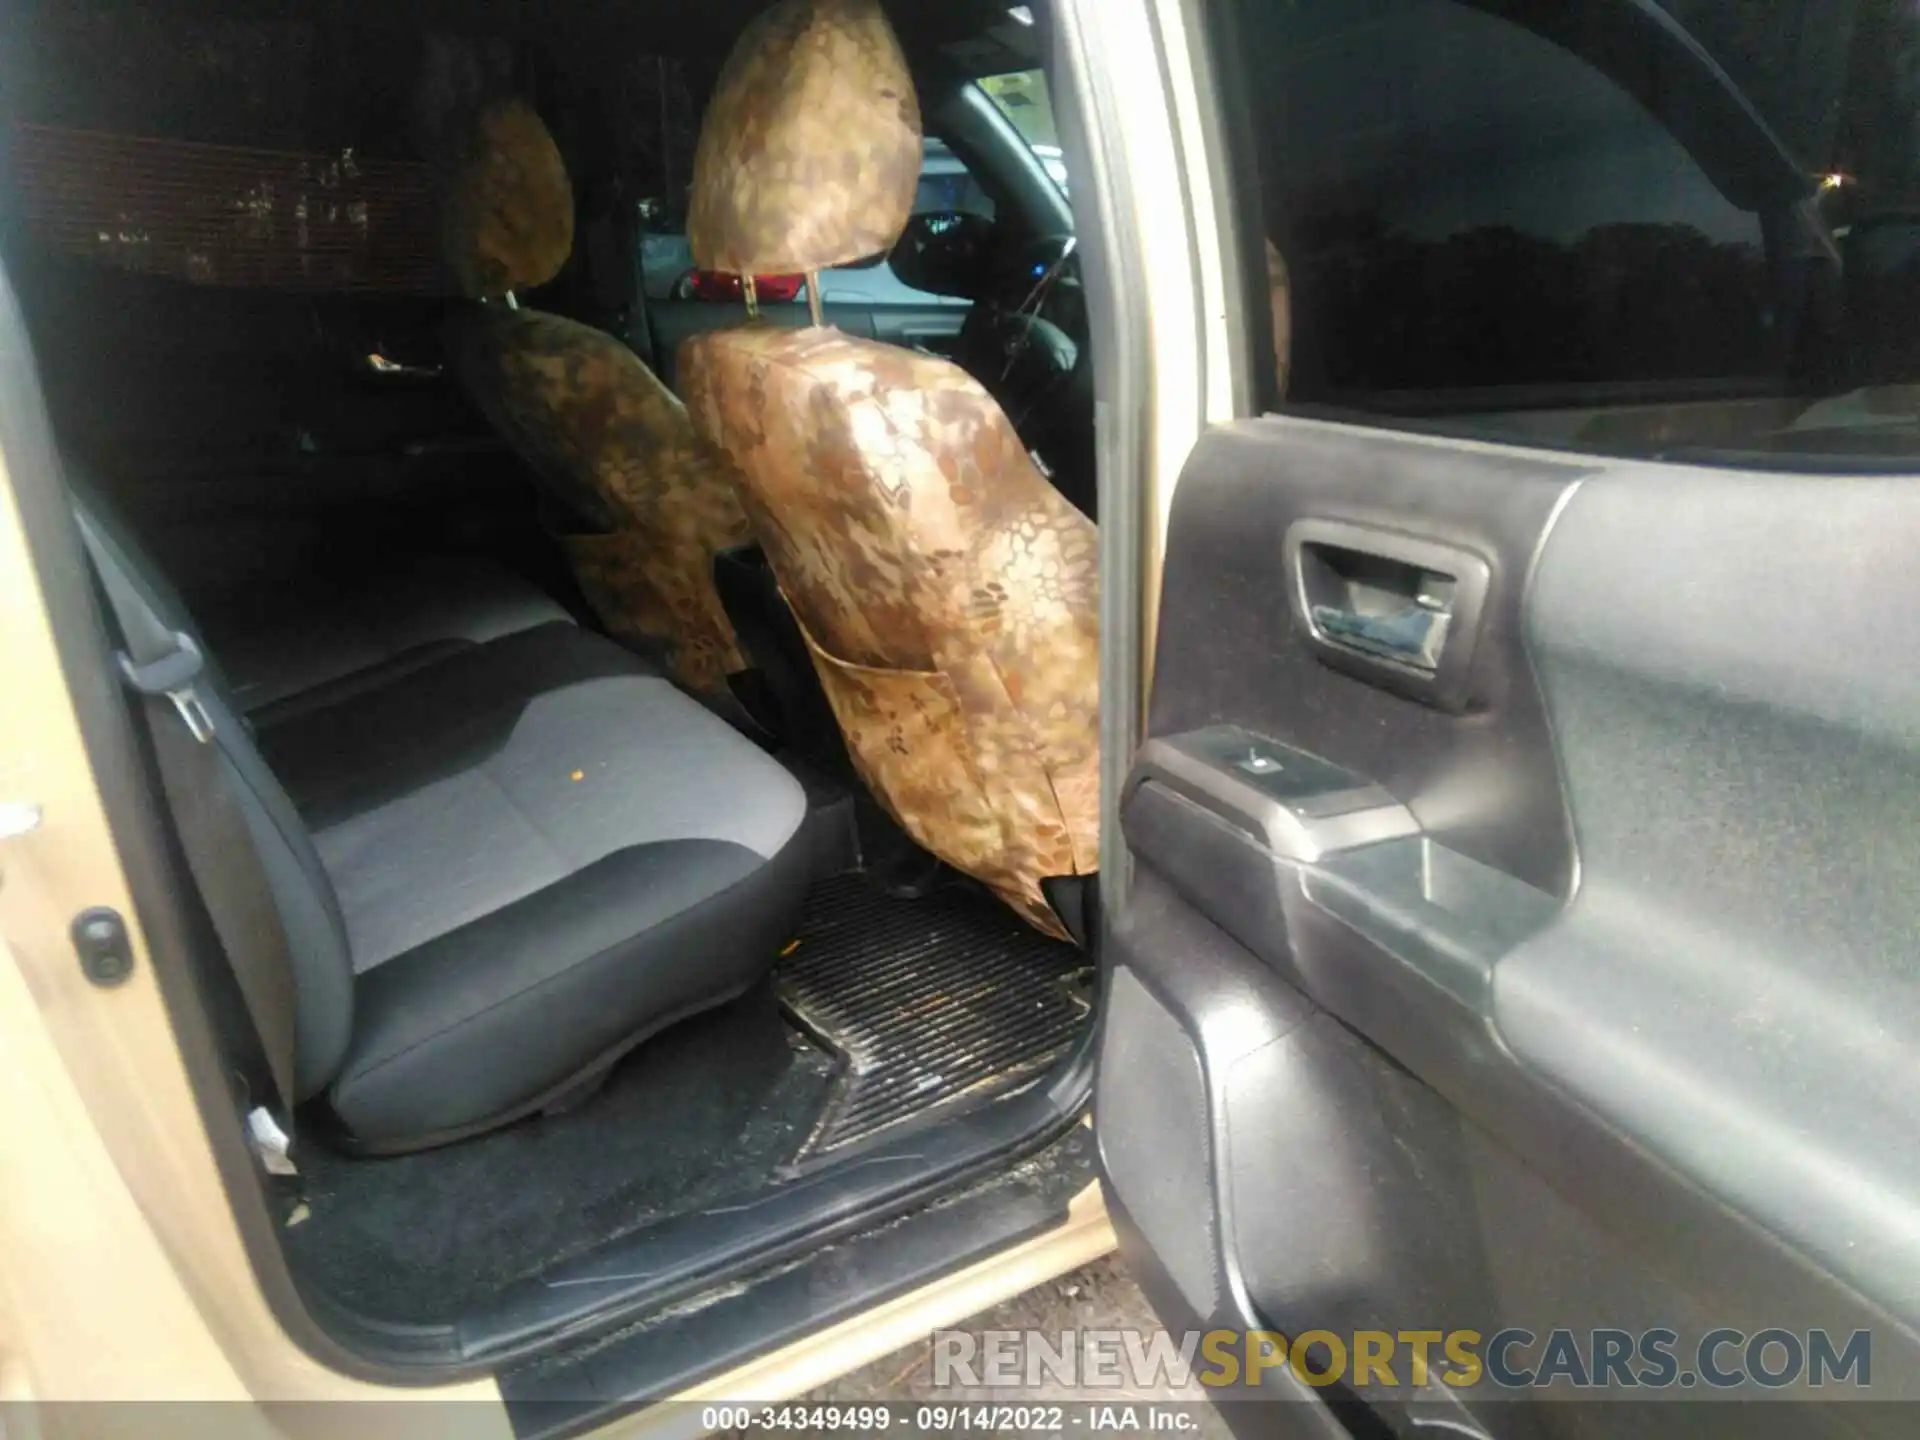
582,410
948,593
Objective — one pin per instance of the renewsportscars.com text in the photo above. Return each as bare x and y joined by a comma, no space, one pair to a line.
1513,1359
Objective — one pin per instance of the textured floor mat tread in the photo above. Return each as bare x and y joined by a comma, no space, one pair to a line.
927,1000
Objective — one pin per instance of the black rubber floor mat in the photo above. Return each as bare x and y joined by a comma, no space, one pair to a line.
926,1000
704,1114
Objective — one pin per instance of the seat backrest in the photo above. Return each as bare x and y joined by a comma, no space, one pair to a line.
948,592
322,981
591,421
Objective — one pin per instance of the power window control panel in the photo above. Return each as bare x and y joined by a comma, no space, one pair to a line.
1297,805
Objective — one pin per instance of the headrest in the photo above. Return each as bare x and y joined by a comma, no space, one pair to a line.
810,153
508,219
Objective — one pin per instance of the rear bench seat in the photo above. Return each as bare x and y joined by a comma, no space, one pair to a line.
320,637
325,636
500,863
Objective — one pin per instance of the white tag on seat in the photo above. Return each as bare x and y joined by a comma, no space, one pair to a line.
270,1142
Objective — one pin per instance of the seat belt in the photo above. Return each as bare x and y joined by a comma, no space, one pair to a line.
164,667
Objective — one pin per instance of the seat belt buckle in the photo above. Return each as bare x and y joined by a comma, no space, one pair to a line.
172,675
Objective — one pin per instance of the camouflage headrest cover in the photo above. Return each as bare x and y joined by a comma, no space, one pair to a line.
810,153
508,217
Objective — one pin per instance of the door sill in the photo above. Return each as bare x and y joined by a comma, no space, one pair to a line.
956,1256
672,1262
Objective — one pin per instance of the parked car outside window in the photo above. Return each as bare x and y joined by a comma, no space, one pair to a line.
668,271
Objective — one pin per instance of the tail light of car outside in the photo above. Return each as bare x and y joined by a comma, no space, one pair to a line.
715,285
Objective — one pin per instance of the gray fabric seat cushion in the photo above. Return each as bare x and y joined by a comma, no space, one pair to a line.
322,630
489,1020
597,766
395,734
543,851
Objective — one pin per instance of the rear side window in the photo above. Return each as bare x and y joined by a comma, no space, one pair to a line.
1675,229
264,154
228,215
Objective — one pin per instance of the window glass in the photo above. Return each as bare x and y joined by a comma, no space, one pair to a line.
658,121
1022,96
1692,229
946,184
229,216
217,151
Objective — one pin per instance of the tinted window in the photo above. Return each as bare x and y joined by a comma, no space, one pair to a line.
1595,223
230,152
223,215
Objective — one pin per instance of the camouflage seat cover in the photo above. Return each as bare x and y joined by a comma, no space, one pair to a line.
948,592
584,412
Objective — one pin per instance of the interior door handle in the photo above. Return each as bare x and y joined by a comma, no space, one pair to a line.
1400,611
381,367
1407,635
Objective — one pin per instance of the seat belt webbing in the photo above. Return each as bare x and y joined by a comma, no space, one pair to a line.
163,666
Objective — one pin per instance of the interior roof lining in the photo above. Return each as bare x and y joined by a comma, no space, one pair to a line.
688,28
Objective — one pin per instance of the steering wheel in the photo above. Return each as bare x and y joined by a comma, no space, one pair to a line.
1025,340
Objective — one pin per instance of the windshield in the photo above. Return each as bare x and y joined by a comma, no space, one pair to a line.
1022,96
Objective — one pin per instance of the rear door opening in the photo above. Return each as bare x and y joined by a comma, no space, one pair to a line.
226,235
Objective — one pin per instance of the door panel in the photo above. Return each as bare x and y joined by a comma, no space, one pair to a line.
1484,782
1739,744
1581,997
